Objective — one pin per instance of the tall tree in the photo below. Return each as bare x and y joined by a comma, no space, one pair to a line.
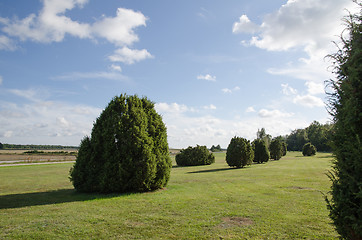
346,108
261,134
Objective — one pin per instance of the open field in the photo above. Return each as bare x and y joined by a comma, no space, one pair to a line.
20,156
277,200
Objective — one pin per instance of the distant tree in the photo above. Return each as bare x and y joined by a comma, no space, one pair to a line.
261,152
1,146
239,152
127,150
276,149
309,149
297,139
194,156
284,144
346,108
261,134
215,149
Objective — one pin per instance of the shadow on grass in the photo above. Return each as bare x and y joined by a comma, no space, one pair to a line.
215,170
49,197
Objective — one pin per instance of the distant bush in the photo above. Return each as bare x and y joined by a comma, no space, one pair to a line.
276,149
127,150
194,156
239,152
215,149
309,149
261,152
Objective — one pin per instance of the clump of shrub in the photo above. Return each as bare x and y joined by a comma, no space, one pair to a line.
195,156
239,152
126,152
276,149
309,149
261,152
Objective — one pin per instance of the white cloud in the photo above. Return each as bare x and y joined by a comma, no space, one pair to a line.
112,75
40,121
119,29
315,88
115,67
264,113
287,90
210,107
227,90
52,24
245,25
6,44
309,26
185,129
309,101
173,108
129,56
250,110
207,77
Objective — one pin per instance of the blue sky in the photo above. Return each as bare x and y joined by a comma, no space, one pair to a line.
215,69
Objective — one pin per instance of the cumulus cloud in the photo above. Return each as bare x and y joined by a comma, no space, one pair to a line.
115,67
228,90
207,77
129,56
315,88
245,25
250,110
199,127
210,107
40,120
309,101
52,24
287,90
308,26
264,113
119,29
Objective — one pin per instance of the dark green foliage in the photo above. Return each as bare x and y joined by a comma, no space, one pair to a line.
1,146
127,151
276,149
261,152
297,139
284,148
239,152
215,149
346,109
261,134
317,134
309,149
195,156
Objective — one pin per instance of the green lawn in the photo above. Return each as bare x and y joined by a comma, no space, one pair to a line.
277,200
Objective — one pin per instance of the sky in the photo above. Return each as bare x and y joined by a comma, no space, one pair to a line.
214,69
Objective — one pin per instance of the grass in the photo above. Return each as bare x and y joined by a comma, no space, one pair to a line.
277,200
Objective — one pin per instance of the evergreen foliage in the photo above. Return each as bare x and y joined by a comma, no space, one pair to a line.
195,156
127,150
216,149
239,152
309,149
276,149
261,152
346,109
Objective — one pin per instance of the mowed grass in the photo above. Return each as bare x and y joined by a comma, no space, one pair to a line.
277,200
